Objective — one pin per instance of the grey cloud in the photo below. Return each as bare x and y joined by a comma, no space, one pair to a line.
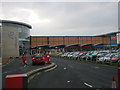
67,18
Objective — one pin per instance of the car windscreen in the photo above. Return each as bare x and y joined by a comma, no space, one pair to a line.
38,56
94,53
116,56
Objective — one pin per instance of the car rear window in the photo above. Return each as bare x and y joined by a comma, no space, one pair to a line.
38,56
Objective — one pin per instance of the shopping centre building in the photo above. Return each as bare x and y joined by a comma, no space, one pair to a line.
108,40
15,38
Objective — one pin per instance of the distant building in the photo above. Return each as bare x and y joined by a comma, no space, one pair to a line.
0,45
107,40
15,38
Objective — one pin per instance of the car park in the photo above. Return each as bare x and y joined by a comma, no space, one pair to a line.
104,56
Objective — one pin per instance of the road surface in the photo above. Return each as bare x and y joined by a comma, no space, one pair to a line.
72,74
16,67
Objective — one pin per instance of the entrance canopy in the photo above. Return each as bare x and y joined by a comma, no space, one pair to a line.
57,46
73,45
86,45
41,46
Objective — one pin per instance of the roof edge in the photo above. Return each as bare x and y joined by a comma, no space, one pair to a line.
16,22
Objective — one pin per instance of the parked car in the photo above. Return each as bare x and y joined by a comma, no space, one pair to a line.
115,58
65,54
118,63
108,57
80,55
86,56
93,56
70,54
104,58
75,55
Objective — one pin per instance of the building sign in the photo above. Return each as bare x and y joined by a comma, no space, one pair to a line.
113,37
118,38
11,35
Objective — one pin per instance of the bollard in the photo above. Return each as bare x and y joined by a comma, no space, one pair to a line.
119,77
16,81
113,83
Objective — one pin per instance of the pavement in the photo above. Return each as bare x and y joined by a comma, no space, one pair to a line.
16,67
72,74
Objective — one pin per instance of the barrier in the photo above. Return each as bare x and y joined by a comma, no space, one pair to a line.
119,77
16,81
113,83
21,80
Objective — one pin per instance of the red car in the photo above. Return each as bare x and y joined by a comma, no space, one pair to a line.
38,59
47,58
115,58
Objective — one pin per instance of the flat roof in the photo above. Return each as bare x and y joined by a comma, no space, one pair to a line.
89,44
73,45
99,44
16,22
106,34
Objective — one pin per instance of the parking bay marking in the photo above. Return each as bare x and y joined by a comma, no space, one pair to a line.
68,81
88,85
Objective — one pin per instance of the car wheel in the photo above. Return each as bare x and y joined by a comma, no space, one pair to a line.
43,63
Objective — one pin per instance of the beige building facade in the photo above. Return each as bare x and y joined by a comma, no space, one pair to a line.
14,36
10,42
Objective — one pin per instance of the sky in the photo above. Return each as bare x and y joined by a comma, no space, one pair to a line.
64,18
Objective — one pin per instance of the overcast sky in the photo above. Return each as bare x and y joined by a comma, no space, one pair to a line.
64,18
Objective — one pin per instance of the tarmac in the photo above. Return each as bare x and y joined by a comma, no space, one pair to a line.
15,67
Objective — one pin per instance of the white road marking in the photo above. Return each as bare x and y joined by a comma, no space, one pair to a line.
68,81
88,85
65,68
97,67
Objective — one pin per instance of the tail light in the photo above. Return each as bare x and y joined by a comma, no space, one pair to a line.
43,58
33,58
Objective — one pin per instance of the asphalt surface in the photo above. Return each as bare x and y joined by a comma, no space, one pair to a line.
16,67
72,74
